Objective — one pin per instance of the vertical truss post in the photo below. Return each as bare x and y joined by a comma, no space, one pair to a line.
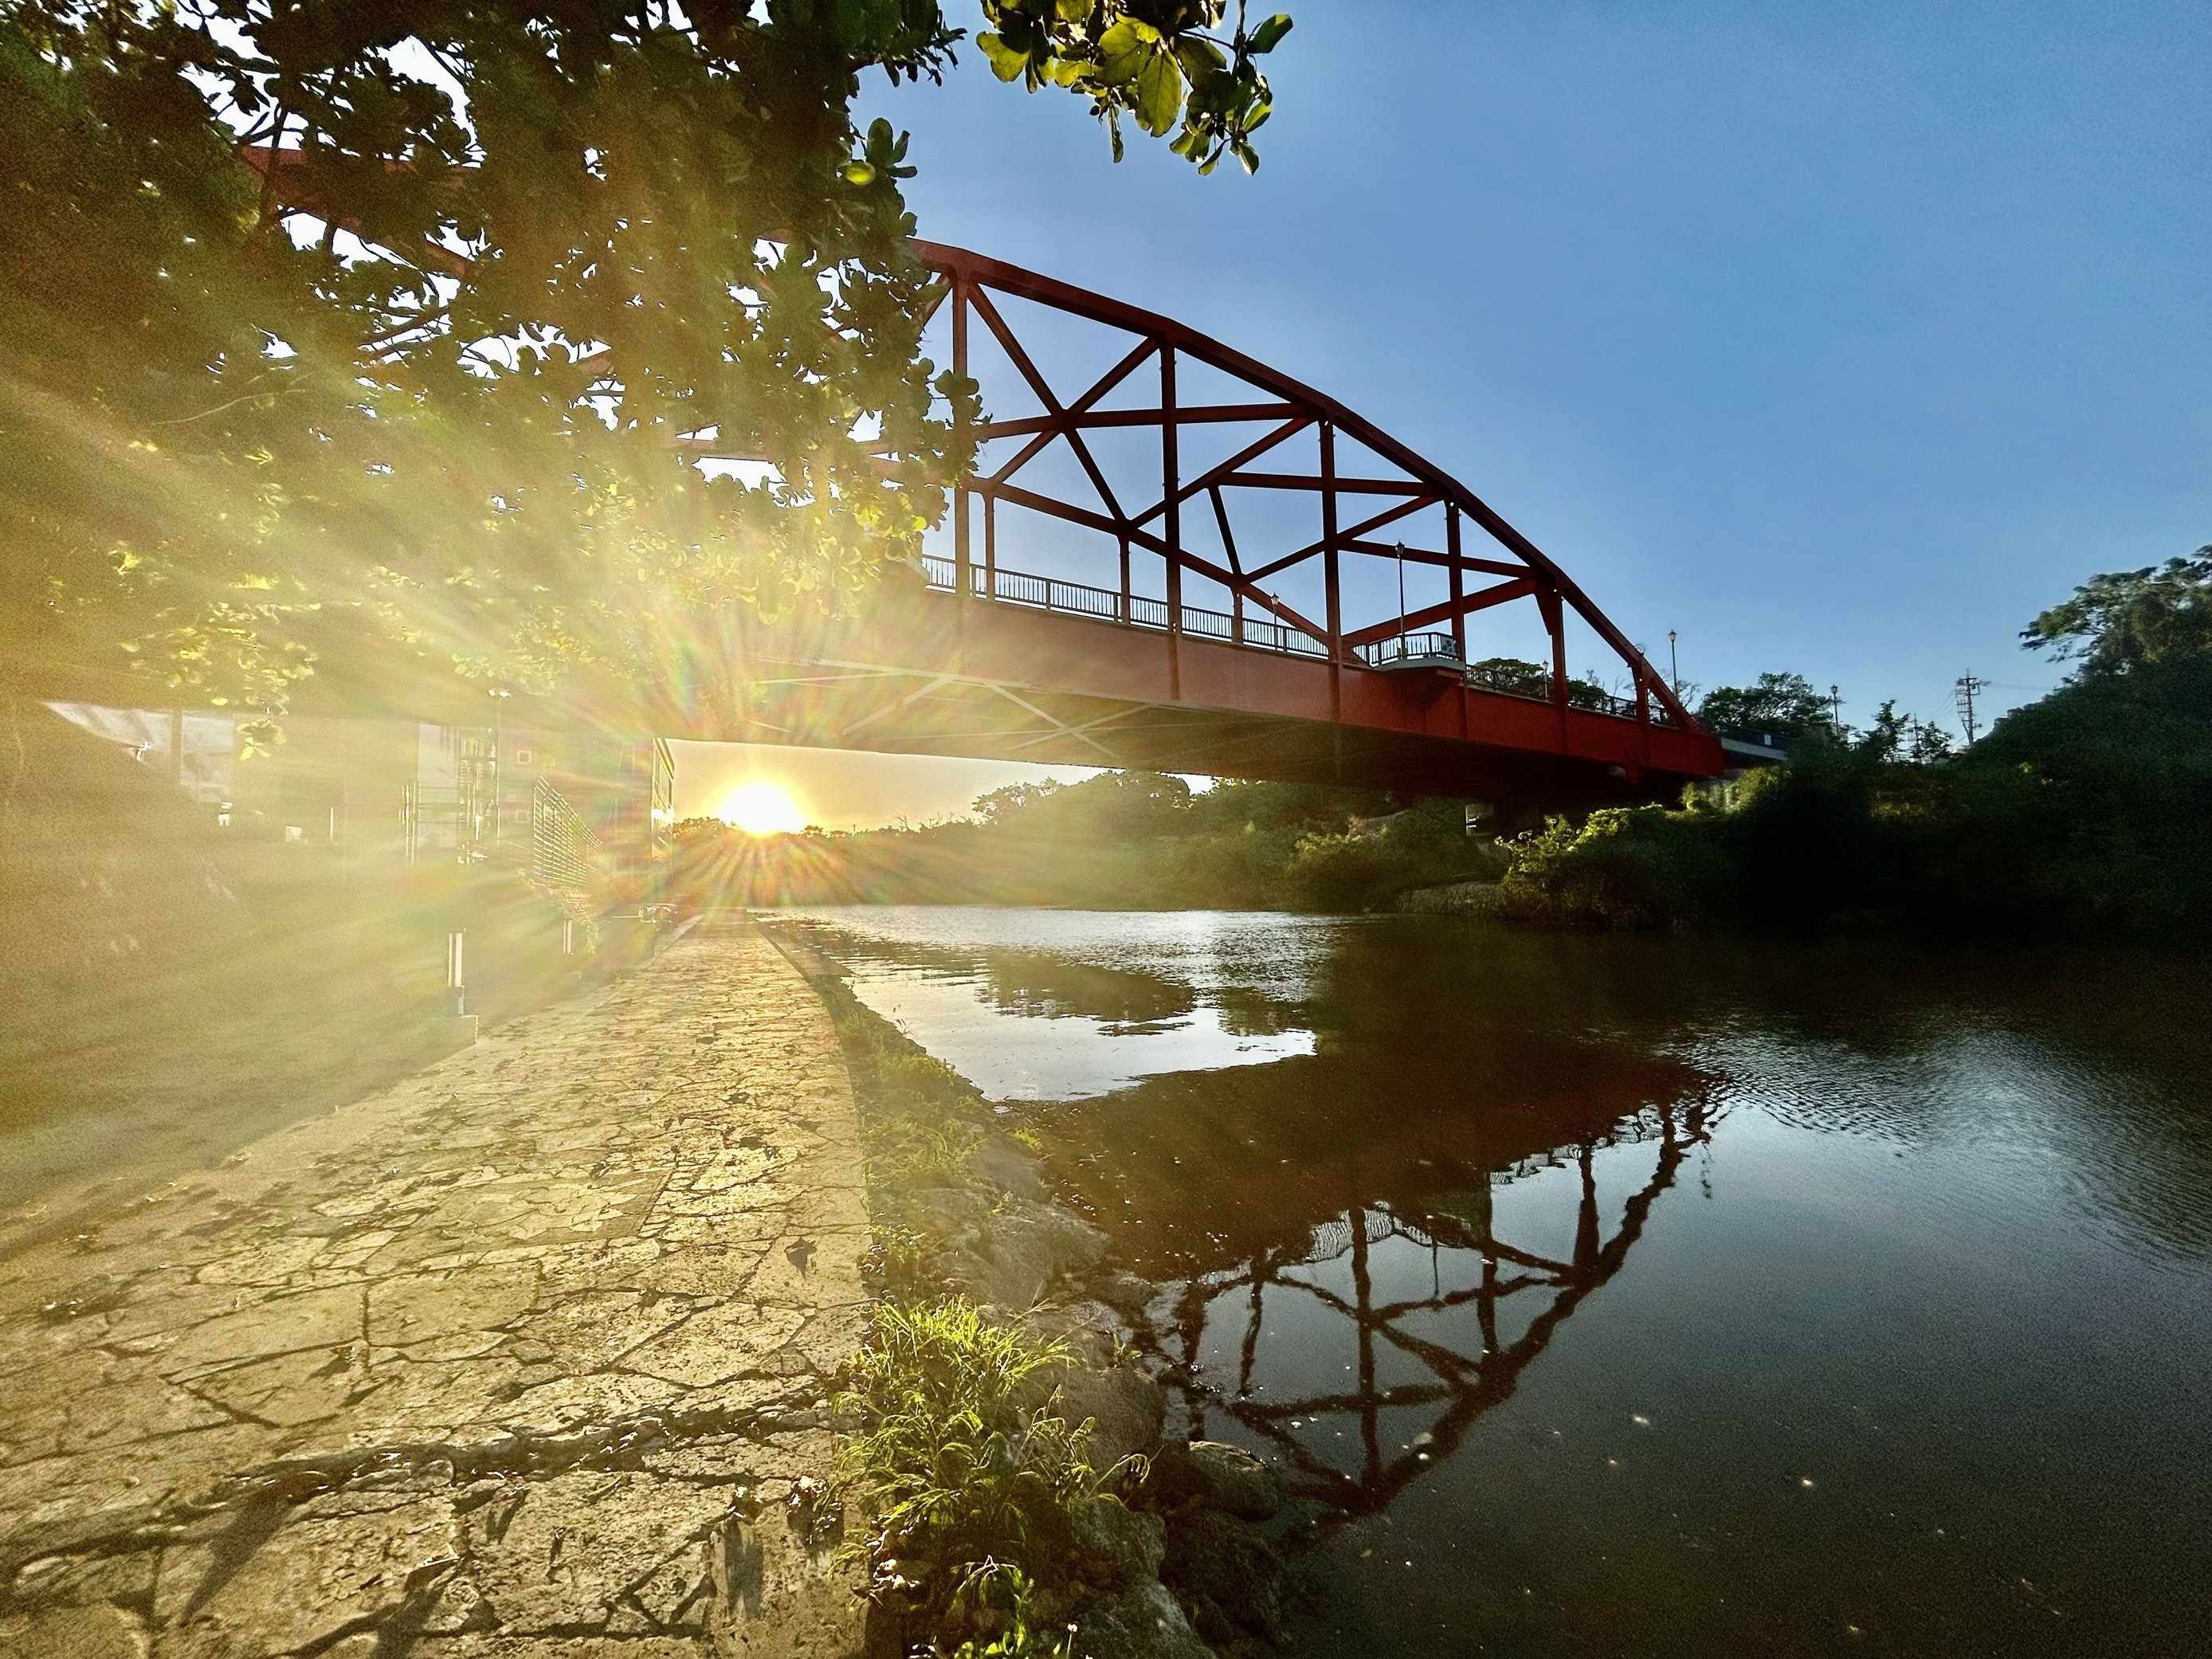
1329,564
960,576
1459,618
1124,579
1555,625
990,547
1170,491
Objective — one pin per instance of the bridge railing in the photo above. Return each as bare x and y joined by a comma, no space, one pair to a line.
1104,604
1037,592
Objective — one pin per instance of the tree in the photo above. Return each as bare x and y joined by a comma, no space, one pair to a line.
418,376
2123,618
1783,706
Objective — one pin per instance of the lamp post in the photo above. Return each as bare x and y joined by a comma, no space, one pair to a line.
498,778
1674,668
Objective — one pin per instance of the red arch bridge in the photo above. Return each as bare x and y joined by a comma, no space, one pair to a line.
1195,563
1173,557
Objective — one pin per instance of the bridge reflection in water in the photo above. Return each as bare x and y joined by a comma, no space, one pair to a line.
1461,1380
1355,1282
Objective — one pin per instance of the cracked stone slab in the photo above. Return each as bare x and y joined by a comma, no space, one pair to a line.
518,1358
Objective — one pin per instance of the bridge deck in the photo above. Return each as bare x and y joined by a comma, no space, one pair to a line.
1044,671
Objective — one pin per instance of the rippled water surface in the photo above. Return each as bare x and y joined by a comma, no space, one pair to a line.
1614,1297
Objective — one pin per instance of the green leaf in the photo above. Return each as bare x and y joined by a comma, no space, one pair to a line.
1199,57
859,173
1159,94
1007,64
1126,49
1073,11
1270,33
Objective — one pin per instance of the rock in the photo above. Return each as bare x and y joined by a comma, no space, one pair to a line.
1087,1329
1007,1263
1000,1163
1126,1406
1142,1623
1215,1476
1126,1293
1110,1544
949,1217
1225,1573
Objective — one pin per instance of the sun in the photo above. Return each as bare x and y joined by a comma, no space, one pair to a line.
761,808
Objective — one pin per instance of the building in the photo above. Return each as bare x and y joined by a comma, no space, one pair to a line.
407,791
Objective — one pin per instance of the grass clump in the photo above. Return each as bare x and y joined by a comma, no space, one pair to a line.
967,1470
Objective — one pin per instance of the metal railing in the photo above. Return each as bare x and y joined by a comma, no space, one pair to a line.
1105,604
562,845
1407,647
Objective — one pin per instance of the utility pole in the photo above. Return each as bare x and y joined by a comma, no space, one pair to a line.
1967,686
1674,668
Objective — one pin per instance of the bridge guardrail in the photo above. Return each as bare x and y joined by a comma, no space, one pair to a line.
1038,592
1104,604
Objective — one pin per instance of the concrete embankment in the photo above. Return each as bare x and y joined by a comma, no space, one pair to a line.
527,1354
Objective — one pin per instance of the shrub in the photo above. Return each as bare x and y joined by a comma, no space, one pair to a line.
1344,873
1639,866
960,1466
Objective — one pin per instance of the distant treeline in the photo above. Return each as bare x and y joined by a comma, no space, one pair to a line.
1122,839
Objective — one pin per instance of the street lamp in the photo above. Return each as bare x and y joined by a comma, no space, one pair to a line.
1674,668
498,780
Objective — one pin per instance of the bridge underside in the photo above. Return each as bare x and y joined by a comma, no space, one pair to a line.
929,674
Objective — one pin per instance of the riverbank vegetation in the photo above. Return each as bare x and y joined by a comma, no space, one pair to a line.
2087,813
993,1444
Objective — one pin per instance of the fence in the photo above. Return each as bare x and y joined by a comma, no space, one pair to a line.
562,849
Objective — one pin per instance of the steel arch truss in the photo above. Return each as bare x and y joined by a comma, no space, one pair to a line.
1363,501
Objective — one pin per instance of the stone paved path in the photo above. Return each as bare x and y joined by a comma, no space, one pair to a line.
524,1356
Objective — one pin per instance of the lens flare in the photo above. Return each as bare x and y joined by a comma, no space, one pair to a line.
762,808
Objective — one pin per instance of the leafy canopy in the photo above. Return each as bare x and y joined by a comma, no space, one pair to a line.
1783,706
2123,619
352,338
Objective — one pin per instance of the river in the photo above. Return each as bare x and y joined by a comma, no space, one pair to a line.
1623,1296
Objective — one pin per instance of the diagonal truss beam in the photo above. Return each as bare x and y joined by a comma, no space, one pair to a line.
1013,348
1055,425
1214,476
1519,589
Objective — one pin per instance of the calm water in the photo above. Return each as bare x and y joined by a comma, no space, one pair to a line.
1622,1297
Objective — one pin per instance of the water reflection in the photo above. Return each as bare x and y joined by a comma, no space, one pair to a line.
1630,1296
1104,1020
1463,1378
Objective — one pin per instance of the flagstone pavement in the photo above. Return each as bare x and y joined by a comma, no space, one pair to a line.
526,1355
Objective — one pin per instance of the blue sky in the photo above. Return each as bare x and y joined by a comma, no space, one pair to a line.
1840,341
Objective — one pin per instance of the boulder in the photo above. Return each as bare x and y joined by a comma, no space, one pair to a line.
1226,1573
1212,1475
1110,1545
1008,1262
1000,1163
1144,1622
1125,1408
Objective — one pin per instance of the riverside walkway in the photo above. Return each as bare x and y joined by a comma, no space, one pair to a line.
525,1355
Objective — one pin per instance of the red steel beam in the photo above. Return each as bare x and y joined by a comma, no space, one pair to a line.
1445,613
1066,296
